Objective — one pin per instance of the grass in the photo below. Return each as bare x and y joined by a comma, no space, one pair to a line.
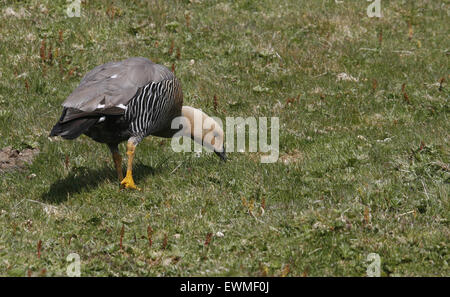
364,162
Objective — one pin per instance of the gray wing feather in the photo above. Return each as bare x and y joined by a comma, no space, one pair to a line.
114,83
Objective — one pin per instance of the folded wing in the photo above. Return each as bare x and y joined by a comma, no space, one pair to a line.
114,84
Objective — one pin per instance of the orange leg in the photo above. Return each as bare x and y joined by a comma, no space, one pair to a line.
128,182
118,164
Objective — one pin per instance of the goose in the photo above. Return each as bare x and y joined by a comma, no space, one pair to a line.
128,101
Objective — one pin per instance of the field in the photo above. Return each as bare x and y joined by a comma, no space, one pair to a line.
363,107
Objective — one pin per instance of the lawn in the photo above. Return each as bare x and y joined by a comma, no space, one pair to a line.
363,107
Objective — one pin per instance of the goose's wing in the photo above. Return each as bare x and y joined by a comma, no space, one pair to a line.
112,85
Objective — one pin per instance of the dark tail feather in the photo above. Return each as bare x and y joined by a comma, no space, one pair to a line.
74,128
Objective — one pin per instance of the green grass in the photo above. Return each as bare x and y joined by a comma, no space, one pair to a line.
361,170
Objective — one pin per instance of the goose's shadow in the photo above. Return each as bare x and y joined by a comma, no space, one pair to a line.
83,178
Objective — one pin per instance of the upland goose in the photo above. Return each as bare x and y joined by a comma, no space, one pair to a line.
127,101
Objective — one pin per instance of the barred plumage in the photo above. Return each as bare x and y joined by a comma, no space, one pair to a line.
152,105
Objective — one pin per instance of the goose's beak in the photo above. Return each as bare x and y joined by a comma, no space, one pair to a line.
222,155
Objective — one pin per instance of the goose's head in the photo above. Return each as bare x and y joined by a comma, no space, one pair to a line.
205,130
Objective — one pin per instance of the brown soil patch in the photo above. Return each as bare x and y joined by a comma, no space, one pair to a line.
292,157
12,159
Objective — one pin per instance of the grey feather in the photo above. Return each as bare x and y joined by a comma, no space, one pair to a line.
115,83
